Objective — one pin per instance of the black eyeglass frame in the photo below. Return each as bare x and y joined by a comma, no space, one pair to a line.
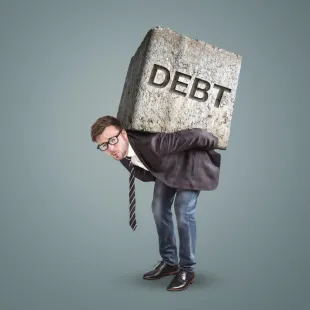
108,142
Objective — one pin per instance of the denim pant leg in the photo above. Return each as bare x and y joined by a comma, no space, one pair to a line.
161,207
185,210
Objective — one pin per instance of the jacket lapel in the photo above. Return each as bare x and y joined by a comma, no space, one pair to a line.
134,142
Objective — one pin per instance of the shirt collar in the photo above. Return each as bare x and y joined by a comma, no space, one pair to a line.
131,152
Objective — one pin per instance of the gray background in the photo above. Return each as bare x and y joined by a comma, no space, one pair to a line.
64,235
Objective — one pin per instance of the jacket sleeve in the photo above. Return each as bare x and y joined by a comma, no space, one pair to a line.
183,140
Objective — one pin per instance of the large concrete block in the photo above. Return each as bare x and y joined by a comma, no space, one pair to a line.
175,82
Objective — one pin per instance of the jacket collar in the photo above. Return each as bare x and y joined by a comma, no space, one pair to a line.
136,140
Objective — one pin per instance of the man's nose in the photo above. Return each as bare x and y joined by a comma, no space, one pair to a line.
111,147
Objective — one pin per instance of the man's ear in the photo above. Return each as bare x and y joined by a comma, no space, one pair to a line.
124,133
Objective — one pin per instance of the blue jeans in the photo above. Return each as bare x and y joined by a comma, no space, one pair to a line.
185,211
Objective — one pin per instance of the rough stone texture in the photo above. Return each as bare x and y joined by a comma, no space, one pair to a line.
147,107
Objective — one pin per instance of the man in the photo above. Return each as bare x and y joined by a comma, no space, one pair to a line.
181,164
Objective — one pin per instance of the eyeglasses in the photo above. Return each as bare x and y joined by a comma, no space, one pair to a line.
113,140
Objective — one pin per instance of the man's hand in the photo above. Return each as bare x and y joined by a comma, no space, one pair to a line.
220,148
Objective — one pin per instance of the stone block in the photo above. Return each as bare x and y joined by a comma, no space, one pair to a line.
174,82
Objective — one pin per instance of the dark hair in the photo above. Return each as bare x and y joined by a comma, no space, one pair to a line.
101,123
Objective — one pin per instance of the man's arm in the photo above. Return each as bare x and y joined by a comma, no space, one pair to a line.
183,140
140,173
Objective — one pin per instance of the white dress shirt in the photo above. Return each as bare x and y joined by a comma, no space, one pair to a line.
134,158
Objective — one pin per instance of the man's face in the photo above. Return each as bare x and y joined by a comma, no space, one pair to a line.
119,150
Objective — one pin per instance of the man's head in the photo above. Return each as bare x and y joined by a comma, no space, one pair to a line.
108,129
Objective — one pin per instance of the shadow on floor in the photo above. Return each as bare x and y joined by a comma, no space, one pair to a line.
202,280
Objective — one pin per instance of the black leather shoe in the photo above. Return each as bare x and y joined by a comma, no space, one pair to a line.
181,281
161,270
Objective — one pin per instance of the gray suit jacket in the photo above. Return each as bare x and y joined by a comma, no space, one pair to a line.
183,159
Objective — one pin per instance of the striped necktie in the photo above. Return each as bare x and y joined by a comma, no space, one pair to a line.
132,198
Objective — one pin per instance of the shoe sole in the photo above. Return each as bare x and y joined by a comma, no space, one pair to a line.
181,289
164,275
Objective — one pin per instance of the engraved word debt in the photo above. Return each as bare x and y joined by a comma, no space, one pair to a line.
194,88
